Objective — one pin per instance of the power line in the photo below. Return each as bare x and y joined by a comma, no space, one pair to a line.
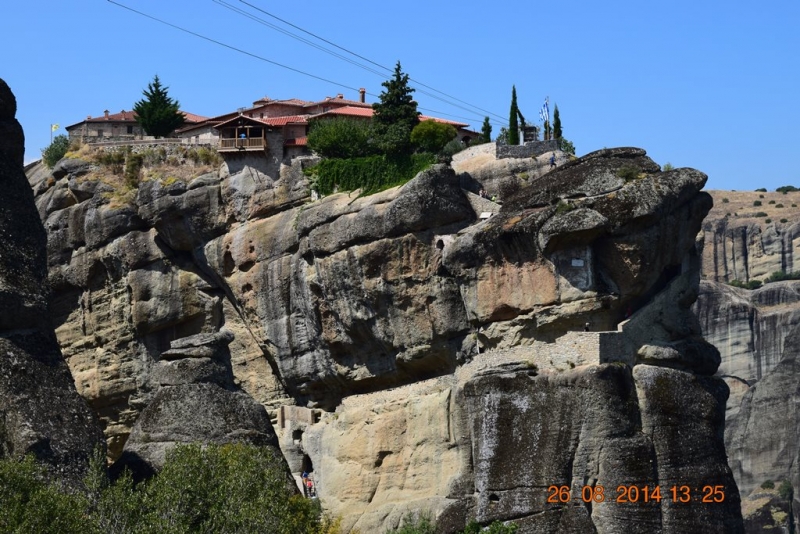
220,43
365,59
261,58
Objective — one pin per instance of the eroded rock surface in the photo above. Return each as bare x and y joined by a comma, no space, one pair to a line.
40,411
355,295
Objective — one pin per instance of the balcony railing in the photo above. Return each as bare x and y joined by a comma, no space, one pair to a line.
242,144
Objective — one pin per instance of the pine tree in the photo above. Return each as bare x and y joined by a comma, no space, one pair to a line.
157,113
395,115
513,127
486,130
556,123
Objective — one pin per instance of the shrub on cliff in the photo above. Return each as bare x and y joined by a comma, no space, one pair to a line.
341,137
370,174
228,488
432,136
55,150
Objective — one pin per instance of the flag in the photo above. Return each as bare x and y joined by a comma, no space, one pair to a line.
54,127
544,113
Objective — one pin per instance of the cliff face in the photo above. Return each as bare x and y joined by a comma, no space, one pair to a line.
40,411
476,324
754,331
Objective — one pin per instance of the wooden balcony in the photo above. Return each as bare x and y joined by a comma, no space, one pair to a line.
234,144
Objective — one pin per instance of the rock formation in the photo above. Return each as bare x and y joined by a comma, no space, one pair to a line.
748,236
478,325
40,411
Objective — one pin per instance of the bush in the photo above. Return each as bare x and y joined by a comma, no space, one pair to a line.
778,205
370,174
29,504
133,170
668,167
771,202
341,138
760,214
227,488
785,490
114,159
756,203
420,523
752,284
786,189
725,200
767,484
761,190
629,172
784,220
432,136
55,151
453,147
767,221
566,146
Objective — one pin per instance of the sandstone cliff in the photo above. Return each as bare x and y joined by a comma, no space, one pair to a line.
748,236
40,411
478,325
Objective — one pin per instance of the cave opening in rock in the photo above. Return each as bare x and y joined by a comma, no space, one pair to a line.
308,467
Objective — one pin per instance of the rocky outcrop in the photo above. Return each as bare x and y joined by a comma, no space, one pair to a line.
197,402
40,411
746,237
347,296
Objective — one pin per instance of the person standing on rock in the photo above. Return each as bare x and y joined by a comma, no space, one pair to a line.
552,160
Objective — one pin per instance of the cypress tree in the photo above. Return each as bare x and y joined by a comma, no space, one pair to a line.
158,114
513,127
556,123
395,115
486,130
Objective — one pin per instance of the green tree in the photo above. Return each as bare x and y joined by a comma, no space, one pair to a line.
395,115
157,113
566,146
55,151
486,130
513,126
341,137
556,123
432,136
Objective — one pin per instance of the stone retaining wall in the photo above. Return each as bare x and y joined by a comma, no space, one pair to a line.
528,150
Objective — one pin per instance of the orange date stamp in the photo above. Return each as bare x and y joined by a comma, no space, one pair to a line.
636,494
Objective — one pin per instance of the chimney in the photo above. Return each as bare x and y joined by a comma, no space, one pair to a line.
362,93
106,114
340,95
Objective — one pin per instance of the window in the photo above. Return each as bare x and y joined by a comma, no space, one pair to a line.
99,132
130,130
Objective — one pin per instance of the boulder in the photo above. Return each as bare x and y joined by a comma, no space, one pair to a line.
42,413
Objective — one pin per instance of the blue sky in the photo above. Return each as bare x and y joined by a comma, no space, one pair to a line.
699,84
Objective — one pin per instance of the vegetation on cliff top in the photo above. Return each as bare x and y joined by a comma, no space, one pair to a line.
158,114
228,488
375,155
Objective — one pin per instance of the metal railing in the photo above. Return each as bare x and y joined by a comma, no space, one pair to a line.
255,142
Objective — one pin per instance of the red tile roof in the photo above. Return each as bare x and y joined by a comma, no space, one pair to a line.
350,111
338,100
288,102
283,121
125,116
191,117
443,121
297,141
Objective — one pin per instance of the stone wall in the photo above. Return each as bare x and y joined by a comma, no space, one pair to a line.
528,150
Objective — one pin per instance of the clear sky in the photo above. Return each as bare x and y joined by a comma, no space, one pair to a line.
704,84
